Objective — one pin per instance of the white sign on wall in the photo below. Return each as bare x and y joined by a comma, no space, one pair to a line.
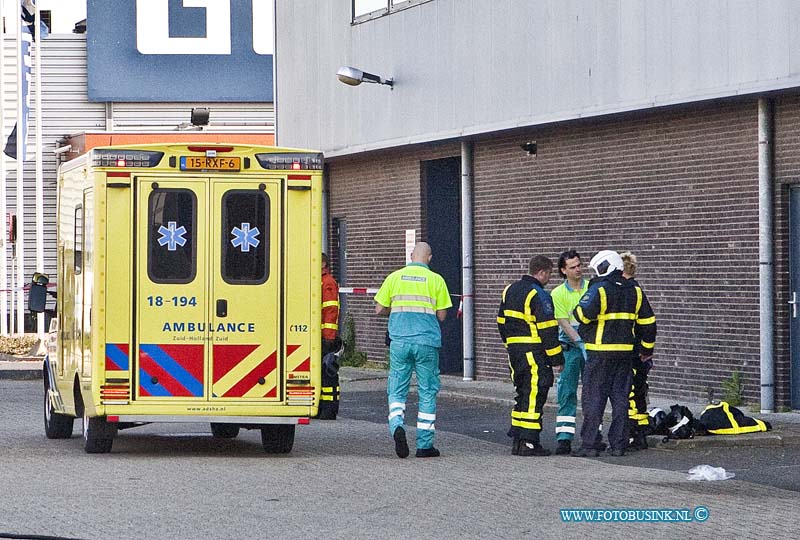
411,241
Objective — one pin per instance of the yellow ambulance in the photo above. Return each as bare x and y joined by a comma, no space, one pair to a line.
188,290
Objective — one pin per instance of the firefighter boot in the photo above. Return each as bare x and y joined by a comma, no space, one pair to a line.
529,448
638,440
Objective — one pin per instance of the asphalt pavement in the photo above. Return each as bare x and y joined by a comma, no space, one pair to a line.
785,432
342,480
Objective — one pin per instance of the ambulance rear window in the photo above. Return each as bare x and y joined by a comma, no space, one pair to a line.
171,249
245,237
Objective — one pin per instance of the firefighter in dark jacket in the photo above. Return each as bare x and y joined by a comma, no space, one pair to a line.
614,315
529,331
638,416
329,398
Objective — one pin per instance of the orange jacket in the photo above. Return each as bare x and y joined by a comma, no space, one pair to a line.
330,306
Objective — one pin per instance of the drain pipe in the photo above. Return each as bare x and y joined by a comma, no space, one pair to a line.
467,268
765,259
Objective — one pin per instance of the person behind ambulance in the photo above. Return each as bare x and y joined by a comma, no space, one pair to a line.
613,314
529,331
416,300
329,398
638,417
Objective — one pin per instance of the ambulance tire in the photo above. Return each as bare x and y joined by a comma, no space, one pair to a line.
224,431
98,435
56,426
277,438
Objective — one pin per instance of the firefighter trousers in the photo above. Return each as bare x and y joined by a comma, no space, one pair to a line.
567,390
637,399
424,361
605,379
532,380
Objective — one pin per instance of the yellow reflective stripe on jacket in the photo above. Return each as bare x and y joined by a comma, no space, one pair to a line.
618,316
523,339
546,324
330,326
648,345
504,292
554,351
515,314
608,347
501,320
581,317
638,300
331,303
530,317
648,320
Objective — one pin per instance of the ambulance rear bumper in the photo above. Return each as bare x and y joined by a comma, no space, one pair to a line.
167,419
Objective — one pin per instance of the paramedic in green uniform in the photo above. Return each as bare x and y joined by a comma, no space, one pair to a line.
416,300
565,297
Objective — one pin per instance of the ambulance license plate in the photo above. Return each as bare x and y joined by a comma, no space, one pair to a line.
204,163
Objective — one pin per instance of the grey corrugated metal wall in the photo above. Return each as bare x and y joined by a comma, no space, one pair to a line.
67,110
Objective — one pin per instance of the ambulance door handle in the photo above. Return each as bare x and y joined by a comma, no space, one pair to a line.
222,308
793,303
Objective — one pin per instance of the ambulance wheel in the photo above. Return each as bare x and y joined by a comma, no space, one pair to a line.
98,435
277,438
224,431
56,426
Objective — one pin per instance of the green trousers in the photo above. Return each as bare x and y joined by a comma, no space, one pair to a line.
567,390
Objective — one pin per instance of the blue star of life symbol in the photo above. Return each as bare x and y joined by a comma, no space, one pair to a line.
245,237
172,236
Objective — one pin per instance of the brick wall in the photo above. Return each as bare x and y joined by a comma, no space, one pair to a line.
677,187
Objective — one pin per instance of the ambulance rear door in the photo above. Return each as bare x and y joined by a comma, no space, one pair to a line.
247,362
206,290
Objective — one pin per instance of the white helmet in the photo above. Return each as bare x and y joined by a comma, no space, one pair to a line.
605,262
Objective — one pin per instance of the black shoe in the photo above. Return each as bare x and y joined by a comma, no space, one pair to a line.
428,452
586,452
601,446
400,443
564,447
515,447
527,448
616,452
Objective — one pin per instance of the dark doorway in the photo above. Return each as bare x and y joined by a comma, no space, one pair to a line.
794,292
441,190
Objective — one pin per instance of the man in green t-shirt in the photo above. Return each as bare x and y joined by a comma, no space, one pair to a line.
565,298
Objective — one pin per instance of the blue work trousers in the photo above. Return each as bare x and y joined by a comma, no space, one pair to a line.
424,361
567,390
605,379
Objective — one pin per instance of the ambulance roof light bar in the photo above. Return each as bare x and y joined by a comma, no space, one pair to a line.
125,158
353,77
290,161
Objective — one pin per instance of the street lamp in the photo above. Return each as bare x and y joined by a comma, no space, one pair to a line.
353,77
